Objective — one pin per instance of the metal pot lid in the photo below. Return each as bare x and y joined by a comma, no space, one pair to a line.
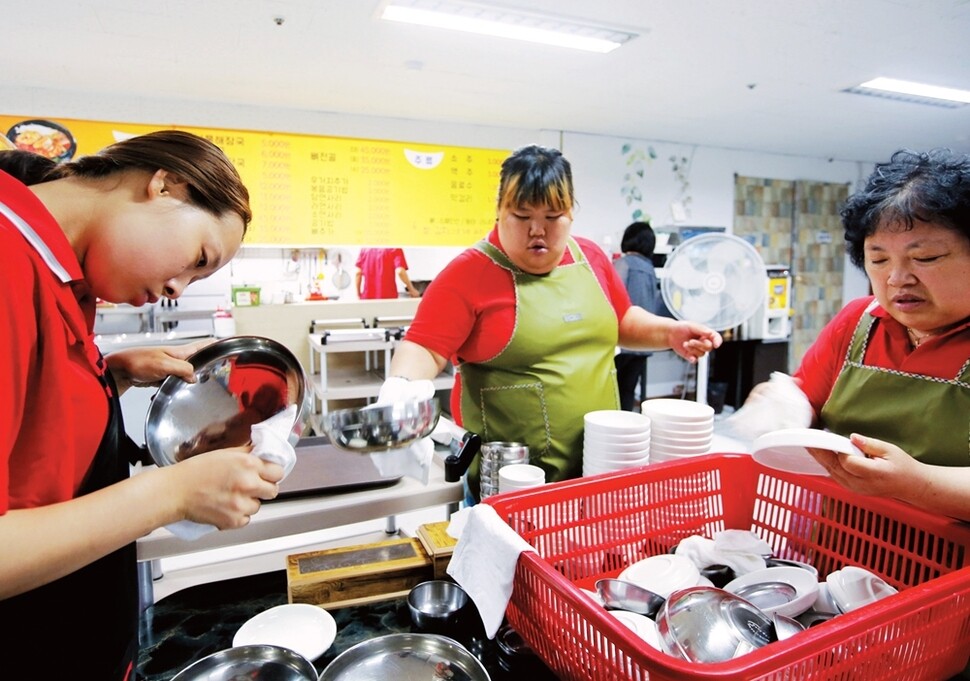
406,656
240,381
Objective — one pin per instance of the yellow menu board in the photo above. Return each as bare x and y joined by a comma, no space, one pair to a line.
307,190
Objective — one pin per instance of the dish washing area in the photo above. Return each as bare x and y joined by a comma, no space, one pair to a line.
698,564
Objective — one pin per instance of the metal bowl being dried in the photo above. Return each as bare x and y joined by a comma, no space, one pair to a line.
406,656
253,663
380,428
240,381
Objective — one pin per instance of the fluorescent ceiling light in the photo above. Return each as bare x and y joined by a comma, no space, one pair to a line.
502,23
915,91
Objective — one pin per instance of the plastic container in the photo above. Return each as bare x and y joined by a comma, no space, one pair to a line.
591,528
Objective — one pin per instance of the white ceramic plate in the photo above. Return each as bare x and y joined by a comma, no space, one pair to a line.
772,600
663,574
303,628
787,449
641,625
853,587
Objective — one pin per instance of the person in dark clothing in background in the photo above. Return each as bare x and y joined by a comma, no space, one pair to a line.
636,270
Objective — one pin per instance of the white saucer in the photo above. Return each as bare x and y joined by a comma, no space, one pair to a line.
787,449
663,574
303,628
641,625
773,599
853,587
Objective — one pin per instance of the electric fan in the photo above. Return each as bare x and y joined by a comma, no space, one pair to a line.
715,279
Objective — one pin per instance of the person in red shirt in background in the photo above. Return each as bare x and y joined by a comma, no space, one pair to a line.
137,222
378,270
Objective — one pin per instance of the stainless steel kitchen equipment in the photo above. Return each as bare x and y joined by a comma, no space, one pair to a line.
495,455
381,428
256,662
406,656
240,381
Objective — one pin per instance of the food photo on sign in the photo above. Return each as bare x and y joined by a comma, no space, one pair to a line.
43,137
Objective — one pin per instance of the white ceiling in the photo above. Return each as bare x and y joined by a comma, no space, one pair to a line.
762,75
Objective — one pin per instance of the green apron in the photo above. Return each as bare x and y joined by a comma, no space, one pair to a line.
557,366
927,417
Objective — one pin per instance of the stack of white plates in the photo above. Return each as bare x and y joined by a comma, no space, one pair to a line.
680,428
614,440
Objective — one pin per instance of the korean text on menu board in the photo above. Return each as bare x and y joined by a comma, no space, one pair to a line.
310,190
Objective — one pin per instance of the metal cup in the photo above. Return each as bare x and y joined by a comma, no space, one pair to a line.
494,455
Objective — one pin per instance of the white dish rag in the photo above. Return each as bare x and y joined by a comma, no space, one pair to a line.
414,460
270,443
484,561
741,550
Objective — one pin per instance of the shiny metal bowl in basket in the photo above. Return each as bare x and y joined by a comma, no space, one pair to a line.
381,428
240,381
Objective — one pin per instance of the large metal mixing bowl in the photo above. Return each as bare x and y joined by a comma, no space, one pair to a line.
381,428
706,624
253,663
395,657
240,381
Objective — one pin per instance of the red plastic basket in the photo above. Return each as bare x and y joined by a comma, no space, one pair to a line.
593,527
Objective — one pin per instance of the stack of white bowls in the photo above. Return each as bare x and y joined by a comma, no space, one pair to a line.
680,428
614,440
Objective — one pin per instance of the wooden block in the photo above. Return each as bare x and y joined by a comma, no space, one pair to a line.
438,544
354,575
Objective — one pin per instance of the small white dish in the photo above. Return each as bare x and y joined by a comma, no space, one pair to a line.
853,587
305,629
663,574
782,590
641,625
615,421
787,449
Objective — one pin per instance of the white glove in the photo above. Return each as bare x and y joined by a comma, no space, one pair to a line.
415,459
776,404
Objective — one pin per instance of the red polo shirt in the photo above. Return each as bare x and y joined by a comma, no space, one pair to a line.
888,348
53,409
379,267
468,312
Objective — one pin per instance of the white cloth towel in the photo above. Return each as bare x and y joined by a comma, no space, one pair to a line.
773,405
270,443
484,561
415,459
740,550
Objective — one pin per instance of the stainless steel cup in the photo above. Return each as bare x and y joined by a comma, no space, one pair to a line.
494,455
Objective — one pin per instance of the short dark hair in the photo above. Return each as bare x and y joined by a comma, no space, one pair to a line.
638,237
537,176
932,186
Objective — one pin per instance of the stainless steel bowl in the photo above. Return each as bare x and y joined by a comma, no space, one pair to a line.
706,624
376,429
436,605
239,381
406,656
618,594
253,663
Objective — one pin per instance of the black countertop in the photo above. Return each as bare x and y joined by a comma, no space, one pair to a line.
198,621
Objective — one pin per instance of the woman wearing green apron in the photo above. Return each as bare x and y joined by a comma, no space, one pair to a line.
893,370
531,316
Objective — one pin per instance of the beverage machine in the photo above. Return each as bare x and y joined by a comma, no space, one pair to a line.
772,320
